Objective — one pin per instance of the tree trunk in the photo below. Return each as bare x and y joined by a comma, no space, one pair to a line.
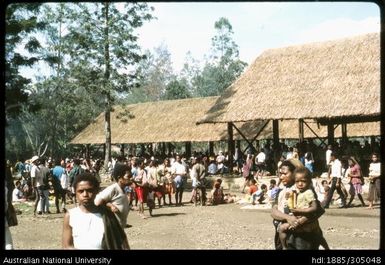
107,114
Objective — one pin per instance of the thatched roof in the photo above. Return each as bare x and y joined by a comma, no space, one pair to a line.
320,80
162,121
175,121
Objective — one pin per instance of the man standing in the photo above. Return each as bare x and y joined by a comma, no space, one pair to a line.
336,176
60,193
179,172
36,180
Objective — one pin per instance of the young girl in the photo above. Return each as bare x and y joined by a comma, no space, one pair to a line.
355,175
302,202
217,195
150,200
374,180
140,182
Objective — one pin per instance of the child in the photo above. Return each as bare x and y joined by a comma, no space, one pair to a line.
150,200
17,194
253,187
259,195
273,190
217,193
301,202
323,189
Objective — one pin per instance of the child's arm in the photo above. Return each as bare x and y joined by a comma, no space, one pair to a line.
306,211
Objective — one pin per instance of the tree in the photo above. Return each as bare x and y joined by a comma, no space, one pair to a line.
104,42
223,66
155,74
20,22
189,73
176,90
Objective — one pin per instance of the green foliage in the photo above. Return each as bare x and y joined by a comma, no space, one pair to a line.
223,66
20,23
176,90
74,45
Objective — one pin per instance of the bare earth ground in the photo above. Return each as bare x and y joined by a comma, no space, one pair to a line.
224,226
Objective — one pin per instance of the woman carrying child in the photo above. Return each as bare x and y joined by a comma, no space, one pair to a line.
305,238
302,201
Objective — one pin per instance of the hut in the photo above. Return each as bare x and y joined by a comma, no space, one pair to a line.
333,82
164,122
175,121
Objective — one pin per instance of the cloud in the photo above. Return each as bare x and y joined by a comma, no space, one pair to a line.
338,28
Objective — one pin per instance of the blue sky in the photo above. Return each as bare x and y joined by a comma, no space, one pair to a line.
257,26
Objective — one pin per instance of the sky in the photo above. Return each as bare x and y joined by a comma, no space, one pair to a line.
257,26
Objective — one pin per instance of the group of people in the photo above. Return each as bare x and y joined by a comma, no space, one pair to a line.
297,208
348,170
99,217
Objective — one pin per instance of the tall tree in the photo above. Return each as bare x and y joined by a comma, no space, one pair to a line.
104,42
223,66
155,74
176,90
189,73
20,22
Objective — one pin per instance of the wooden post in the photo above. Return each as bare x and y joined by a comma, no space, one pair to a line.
211,148
122,150
163,149
169,147
300,130
188,149
344,133
230,146
372,141
134,149
104,150
142,149
330,133
275,133
87,151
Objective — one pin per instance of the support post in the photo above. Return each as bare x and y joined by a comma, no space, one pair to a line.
330,133
211,148
122,150
87,151
275,133
163,149
188,149
230,145
344,133
300,130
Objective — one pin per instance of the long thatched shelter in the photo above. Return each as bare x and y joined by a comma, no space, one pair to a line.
175,121
162,121
334,83
334,80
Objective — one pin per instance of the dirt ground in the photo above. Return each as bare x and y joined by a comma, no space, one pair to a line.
227,226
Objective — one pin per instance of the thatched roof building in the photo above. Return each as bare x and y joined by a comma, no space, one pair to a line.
175,121
328,80
162,121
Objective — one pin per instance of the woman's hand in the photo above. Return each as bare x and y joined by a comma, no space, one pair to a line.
292,220
113,208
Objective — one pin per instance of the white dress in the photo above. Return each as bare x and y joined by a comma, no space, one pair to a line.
87,229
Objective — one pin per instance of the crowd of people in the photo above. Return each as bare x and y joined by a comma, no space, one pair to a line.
298,200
